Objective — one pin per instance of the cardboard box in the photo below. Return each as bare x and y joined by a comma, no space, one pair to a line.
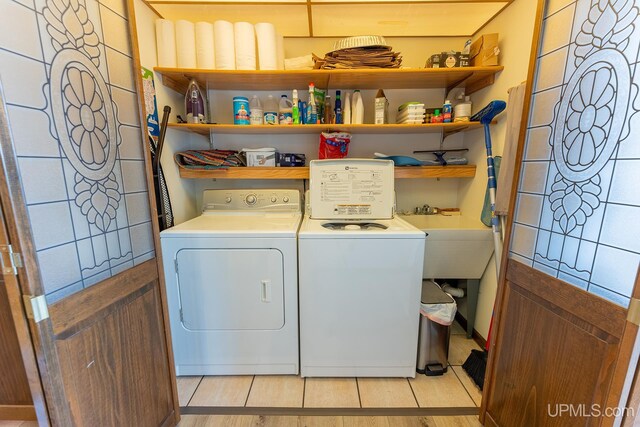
484,51
382,108
448,60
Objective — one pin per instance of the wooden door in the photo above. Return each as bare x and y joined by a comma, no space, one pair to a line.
19,381
74,188
563,342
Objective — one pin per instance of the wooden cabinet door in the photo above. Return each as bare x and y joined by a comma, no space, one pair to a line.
74,188
563,343
19,381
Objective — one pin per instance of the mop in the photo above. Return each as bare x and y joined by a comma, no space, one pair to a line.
476,363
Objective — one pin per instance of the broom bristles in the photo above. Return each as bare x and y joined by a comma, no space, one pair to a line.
476,366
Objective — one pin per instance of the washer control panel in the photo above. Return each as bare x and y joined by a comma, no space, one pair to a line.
252,199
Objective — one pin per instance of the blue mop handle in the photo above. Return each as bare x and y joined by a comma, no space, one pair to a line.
486,116
495,221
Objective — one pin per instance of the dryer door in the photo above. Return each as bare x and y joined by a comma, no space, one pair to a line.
231,289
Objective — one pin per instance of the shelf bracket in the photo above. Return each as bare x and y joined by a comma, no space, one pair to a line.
211,141
458,83
453,132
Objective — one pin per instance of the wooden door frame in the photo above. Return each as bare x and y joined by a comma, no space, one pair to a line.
38,410
630,331
632,399
153,206
49,397
51,408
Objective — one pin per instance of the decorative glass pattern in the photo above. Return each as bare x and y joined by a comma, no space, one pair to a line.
578,205
73,114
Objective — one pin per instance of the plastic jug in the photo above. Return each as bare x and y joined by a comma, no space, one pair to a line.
255,111
285,111
357,108
270,111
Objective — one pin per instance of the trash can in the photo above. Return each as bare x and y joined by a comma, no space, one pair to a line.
437,312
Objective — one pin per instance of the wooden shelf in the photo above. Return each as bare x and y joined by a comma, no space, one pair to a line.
446,128
466,171
472,78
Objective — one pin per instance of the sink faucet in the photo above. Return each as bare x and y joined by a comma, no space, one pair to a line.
426,210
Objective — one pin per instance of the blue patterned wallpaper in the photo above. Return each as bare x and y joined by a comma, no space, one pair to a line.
66,67
578,205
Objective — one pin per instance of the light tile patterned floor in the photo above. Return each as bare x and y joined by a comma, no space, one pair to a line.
331,393
442,391
454,389
386,393
277,391
459,349
473,390
222,391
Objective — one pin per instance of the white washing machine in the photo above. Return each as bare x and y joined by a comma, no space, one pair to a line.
360,274
232,282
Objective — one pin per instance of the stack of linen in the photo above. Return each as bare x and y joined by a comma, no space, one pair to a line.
411,113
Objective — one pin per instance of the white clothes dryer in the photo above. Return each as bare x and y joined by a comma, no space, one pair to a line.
232,280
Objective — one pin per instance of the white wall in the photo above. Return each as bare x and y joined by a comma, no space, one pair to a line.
515,26
181,191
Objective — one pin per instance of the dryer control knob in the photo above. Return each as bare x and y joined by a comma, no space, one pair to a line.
250,199
285,199
274,199
228,200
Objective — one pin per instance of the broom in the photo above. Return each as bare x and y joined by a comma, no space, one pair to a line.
476,364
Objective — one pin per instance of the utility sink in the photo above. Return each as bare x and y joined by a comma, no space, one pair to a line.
457,247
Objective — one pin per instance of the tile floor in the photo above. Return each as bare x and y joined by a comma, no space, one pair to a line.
453,389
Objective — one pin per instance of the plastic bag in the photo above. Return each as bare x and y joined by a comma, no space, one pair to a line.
443,314
334,145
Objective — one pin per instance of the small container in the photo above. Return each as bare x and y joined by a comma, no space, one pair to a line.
241,110
291,160
256,113
463,110
260,156
447,112
285,111
270,111
194,104
437,117
328,111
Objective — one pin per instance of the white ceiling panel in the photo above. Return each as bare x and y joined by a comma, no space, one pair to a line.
289,20
403,19
342,18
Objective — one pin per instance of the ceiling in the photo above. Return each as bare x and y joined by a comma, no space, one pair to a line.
334,18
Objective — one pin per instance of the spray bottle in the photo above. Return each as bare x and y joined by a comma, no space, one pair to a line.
295,110
312,108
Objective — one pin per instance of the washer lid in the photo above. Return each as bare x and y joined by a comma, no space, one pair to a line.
395,228
351,189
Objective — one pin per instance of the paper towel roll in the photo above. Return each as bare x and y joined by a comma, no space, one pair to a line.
223,41
245,46
267,46
205,57
186,44
166,43
280,51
